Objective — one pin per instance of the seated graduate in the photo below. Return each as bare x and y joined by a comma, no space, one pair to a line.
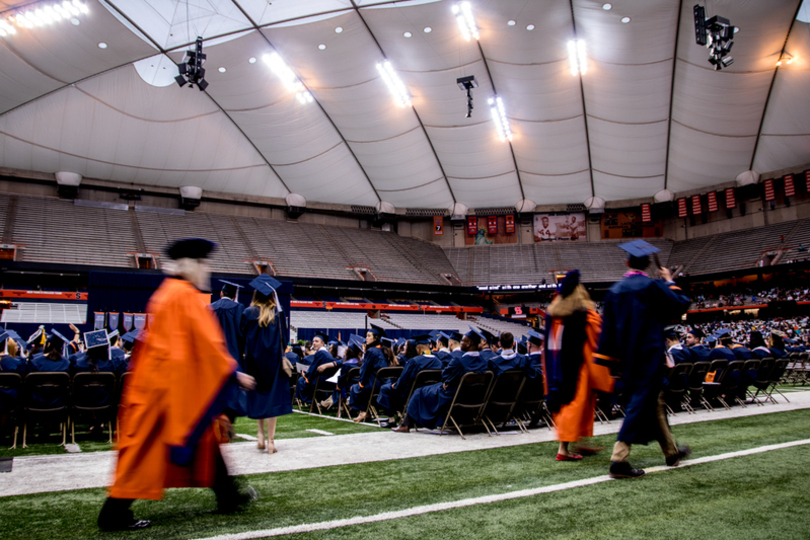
117,354
694,337
777,344
408,347
323,364
392,396
675,350
508,359
721,350
489,348
443,348
534,360
759,349
97,356
352,358
51,358
9,363
294,354
741,352
128,341
429,404
36,342
374,360
454,344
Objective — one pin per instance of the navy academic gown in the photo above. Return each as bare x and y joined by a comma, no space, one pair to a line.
487,354
700,353
444,357
777,353
742,353
534,365
636,310
722,353
263,349
229,315
11,364
761,352
373,361
429,404
458,353
306,383
45,397
505,362
681,354
393,394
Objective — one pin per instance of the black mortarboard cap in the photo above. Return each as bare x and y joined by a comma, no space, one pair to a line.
230,289
387,342
474,335
265,285
672,332
535,337
130,337
36,336
421,339
96,338
698,333
377,330
322,336
569,283
489,336
455,336
190,248
639,248
401,341
722,332
4,335
58,338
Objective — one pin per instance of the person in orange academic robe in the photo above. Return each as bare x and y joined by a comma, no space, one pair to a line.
572,335
177,387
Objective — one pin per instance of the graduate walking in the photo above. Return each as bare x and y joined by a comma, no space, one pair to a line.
636,310
265,331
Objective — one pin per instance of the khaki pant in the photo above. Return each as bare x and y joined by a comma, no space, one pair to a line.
621,450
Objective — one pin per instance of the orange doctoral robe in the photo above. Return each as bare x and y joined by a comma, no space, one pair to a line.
172,394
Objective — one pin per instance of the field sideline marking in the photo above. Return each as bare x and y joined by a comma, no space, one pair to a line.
486,499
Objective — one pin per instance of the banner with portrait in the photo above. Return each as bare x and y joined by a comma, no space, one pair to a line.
552,227
620,225
482,226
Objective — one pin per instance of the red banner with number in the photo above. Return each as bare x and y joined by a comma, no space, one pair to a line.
696,206
790,187
711,201
438,225
509,224
646,216
731,199
770,194
807,180
682,211
472,225
492,225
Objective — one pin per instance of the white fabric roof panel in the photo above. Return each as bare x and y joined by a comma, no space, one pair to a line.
354,141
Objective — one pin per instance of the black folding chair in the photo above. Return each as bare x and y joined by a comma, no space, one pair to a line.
675,388
762,379
423,378
502,400
747,377
774,379
352,378
10,385
694,386
383,375
46,399
93,395
730,384
468,402
711,389
323,388
531,403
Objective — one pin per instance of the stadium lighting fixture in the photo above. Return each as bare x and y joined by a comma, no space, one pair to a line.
394,84
717,35
498,112
43,15
577,57
190,69
290,80
466,21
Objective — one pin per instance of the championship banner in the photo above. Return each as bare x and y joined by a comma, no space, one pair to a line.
620,225
139,320
98,321
770,194
492,225
731,199
646,216
549,227
438,225
113,321
807,180
682,211
128,321
712,201
790,187
696,206
509,222
472,226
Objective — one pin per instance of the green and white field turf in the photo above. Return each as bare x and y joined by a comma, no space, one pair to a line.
759,496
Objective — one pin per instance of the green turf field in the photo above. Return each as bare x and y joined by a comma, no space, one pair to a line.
752,497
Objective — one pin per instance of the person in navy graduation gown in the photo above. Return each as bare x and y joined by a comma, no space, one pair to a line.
777,344
50,360
373,361
455,344
535,345
393,394
9,363
759,349
489,348
508,359
264,329
675,349
229,314
429,404
694,340
636,310
322,364
443,349
722,350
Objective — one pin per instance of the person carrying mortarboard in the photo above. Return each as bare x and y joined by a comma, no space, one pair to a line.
636,310
174,395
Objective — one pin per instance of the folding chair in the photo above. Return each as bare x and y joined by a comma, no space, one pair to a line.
468,402
352,377
323,388
774,379
747,377
46,398
675,388
694,386
93,394
762,379
423,378
711,389
383,375
730,384
502,400
531,402
10,384
293,383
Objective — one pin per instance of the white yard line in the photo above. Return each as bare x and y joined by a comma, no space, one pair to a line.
95,469
320,432
487,499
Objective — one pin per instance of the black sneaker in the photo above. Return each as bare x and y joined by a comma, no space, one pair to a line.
683,451
622,469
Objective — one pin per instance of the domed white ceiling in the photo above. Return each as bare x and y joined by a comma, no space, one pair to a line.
649,114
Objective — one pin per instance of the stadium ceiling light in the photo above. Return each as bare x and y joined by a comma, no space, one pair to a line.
466,21
290,80
45,14
498,112
577,58
394,84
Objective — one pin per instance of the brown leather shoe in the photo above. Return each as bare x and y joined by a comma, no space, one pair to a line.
402,429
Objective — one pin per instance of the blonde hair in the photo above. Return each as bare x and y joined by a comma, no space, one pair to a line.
267,309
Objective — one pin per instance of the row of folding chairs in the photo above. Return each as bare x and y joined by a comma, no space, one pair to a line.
690,386
58,397
798,369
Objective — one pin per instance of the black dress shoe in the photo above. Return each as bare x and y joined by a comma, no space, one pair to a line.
238,502
388,425
683,451
622,469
